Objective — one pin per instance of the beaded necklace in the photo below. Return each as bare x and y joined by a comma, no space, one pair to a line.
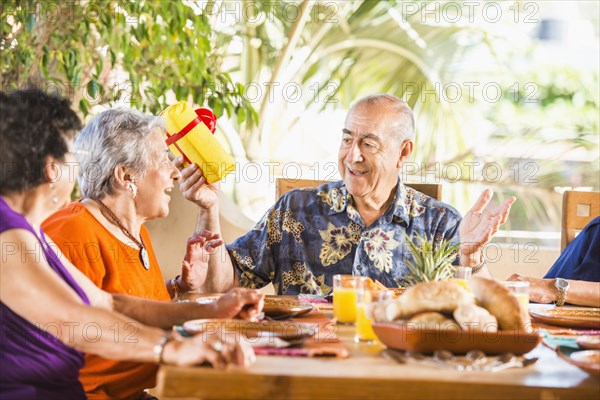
113,218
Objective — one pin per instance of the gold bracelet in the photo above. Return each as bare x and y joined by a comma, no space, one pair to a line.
159,348
175,287
478,268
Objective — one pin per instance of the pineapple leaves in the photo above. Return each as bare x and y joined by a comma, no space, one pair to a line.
430,261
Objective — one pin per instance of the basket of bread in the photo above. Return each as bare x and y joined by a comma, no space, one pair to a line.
443,315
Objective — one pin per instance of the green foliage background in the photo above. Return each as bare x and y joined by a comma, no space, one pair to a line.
109,52
149,53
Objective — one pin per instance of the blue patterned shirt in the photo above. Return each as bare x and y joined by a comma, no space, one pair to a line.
311,234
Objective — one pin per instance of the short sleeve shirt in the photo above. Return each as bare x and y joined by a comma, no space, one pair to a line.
311,234
581,258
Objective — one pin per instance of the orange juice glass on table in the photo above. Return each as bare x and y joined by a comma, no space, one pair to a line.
520,290
365,298
344,297
462,275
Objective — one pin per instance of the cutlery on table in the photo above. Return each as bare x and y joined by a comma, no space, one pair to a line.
512,363
474,360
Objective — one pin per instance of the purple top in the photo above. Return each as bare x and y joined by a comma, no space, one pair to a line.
33,363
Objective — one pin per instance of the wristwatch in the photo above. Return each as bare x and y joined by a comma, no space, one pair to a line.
562,285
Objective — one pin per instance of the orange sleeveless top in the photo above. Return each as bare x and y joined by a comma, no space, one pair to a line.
116,268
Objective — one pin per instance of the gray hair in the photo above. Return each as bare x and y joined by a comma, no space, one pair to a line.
402,120
116,137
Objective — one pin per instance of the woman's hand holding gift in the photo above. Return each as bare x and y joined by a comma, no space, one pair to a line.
194,186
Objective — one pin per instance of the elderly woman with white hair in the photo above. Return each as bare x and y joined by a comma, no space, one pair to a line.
125,179
50,313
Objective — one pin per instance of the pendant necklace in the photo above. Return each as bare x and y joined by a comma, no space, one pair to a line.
113,218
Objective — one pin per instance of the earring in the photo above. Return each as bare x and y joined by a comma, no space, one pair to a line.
54,198
133,188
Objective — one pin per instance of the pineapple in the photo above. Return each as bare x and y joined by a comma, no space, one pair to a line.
431,262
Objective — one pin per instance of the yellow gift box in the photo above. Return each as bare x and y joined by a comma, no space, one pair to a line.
188,136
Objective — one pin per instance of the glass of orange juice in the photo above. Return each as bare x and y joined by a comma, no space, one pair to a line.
344,297
521,291
462,276
365,299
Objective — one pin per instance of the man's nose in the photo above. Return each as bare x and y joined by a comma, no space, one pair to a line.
354,153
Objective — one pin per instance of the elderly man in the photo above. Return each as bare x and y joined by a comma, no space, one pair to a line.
353,226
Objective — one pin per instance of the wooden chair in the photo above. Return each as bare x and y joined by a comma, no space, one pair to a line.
284,185
578,209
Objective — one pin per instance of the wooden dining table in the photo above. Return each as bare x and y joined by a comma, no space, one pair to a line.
366,374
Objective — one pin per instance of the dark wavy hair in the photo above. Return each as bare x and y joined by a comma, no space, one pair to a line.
33,126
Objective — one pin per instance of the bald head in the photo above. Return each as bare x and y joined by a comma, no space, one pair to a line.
399,116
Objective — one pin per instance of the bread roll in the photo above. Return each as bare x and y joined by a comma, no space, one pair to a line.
378,311
433,320
442,296
471,316
496,298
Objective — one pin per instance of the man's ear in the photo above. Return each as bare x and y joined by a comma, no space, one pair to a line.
405,151
52,170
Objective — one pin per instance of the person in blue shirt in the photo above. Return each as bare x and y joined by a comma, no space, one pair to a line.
575,276
358,225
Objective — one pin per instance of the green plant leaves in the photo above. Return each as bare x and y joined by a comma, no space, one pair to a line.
84,106
431,261
153,48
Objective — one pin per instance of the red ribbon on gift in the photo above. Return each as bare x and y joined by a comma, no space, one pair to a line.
205,116
208,118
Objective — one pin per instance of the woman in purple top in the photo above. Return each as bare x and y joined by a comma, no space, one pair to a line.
34,363
49,311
